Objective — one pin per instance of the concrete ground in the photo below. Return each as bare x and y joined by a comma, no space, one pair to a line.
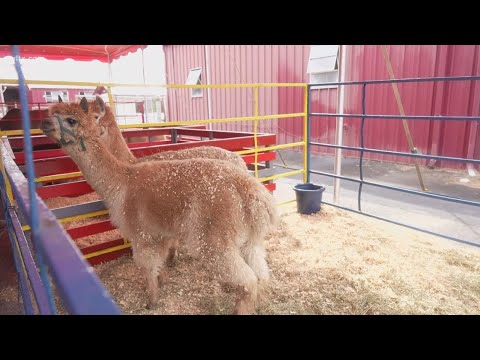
452,219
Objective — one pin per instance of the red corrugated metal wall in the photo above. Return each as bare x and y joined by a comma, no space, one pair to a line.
447,138
285,63
182,58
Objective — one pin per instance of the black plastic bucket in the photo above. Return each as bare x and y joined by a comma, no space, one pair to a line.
309,197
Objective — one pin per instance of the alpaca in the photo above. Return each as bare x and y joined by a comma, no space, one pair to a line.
218,211
112,137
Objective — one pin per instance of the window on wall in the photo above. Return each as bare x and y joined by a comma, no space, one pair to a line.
323,64
88,96
195,78
52,96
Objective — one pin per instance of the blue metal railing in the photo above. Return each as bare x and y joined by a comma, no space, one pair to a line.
78,287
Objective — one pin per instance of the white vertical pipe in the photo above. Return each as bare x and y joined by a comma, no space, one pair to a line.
339,129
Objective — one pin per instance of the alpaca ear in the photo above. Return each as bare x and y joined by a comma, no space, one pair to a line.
60,99
84,104
100,104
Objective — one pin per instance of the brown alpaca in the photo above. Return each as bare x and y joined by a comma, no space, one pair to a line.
216,210
112,137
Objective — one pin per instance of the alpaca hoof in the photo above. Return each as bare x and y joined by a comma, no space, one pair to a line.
244,310
152,306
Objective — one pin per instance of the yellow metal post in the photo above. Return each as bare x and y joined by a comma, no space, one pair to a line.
255,126
7,182
110,99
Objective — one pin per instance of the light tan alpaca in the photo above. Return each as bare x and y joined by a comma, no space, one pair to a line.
213,207
113,139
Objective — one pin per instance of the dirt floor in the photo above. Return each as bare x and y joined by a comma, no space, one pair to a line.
333,262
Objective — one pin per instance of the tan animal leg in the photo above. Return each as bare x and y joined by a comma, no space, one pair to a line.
152,259
172,253
234,270
254,256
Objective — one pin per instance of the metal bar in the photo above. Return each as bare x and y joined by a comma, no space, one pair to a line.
90,229
33,215
177,123
173,135
396,117
106,245
405,80
39,290
362,144
19,264
168,86
406,128
76,188
339,127
405,225
388,152
8,187
286,202
255,127
209,90
109,250
110,98
306,135
308,132
22,276
59,177
269,148
225,86
214,121
79,209
278,176
414,192
75,218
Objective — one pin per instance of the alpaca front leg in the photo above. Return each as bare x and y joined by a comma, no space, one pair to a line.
172,253
152,261
153,289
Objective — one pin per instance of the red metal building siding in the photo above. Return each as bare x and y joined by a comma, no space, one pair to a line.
235,64
179,60
447,138
285,63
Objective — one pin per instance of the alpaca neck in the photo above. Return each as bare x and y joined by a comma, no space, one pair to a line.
102,170
119,146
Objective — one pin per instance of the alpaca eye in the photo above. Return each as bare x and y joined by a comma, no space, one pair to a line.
71,121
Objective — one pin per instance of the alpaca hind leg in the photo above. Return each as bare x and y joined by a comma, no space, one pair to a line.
234,270
254,256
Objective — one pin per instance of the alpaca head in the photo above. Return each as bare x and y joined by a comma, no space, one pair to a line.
69,125
109,130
